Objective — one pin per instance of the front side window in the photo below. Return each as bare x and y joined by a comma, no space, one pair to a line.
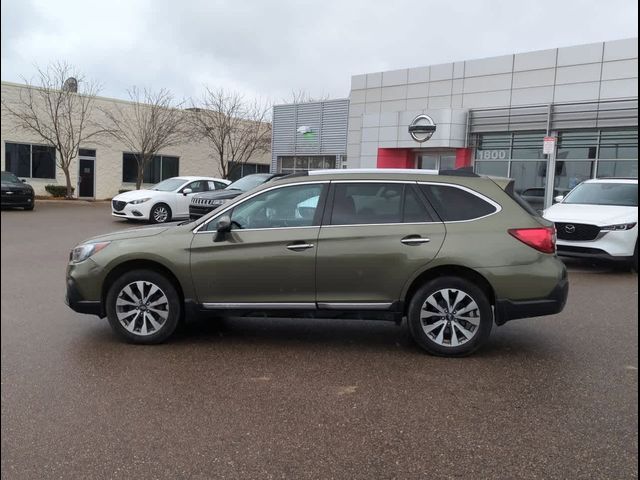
454,204
35,161
292,206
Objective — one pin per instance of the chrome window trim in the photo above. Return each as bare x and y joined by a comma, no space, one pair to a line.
381,224
197,229
495,204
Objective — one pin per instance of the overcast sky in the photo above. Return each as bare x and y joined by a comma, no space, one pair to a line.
270,48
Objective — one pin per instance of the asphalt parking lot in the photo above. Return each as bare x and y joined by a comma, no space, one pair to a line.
551,397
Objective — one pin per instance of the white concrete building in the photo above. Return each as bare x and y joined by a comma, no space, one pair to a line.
103,167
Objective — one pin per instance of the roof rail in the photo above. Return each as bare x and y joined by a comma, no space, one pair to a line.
348,171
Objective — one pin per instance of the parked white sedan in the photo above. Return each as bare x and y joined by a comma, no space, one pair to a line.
599,220
165,201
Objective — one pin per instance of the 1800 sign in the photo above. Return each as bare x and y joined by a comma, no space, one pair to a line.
492,155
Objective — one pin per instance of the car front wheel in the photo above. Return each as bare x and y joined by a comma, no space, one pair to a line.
450,316
143,306
160,213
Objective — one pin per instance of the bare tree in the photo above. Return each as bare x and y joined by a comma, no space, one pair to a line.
235,128
151,123
302,96
53,109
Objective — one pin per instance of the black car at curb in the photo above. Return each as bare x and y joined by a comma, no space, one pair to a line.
204,203
16,193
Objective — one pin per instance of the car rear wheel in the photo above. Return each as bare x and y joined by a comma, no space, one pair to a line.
143,306
450,316
160,213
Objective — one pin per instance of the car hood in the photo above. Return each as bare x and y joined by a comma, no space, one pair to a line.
600,215
13,186
134,195
129,234
219,194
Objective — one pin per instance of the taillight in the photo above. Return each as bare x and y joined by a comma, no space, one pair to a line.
542,239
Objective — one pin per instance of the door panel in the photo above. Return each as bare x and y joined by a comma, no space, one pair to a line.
369,263
86,178
377,235
255,266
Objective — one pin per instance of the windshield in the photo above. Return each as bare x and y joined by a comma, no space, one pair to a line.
617,194
168,185
9,177
249,182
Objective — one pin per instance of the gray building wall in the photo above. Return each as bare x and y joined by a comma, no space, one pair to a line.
383,103
327,120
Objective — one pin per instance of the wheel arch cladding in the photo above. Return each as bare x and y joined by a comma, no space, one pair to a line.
449,270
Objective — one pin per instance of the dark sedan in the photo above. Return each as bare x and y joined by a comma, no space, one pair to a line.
206,202
16,193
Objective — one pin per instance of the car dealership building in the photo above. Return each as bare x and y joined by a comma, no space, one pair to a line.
491,114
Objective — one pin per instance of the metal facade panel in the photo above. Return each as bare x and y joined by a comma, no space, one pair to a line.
328,123
620,113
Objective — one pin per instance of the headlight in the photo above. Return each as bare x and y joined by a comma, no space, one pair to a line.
140,200
82,252
619,227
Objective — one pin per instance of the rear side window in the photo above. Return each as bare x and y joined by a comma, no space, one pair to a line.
377,203
454,204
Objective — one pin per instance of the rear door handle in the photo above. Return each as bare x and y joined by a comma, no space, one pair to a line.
414,240
298,247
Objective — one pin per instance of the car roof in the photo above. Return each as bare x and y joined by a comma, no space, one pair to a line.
187,178
613,180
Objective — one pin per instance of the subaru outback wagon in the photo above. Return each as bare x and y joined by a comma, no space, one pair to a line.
453,253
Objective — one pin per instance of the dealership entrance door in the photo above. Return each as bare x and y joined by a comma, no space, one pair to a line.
437,160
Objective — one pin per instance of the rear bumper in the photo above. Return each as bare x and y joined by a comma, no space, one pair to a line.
555,302
75,301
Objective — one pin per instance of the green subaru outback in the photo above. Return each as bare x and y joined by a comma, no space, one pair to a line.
452,252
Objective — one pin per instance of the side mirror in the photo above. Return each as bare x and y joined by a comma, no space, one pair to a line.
186,191
223,227
23,180
558,199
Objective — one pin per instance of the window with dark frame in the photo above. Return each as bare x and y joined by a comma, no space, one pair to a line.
31,161
159,168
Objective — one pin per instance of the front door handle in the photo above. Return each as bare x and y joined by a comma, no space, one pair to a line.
415,240
298,247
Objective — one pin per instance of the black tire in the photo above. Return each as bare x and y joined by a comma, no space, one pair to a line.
156,217
446,321
30,208
172,312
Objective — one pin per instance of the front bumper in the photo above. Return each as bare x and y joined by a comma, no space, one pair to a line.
553,303
14,200
133,212
197,211
77,303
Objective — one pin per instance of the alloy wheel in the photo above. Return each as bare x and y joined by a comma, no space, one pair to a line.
142,308
160,214
450,317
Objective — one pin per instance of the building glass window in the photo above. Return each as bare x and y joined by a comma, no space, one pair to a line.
239,170
493,146
612,168
34,161
293,164
619,144
527,146
494,169
578,145
159,168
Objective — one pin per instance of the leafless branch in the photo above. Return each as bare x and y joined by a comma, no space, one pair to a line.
58,115
151,123
235,128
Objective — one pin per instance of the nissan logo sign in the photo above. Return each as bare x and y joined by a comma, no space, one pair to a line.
570,228
422,128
